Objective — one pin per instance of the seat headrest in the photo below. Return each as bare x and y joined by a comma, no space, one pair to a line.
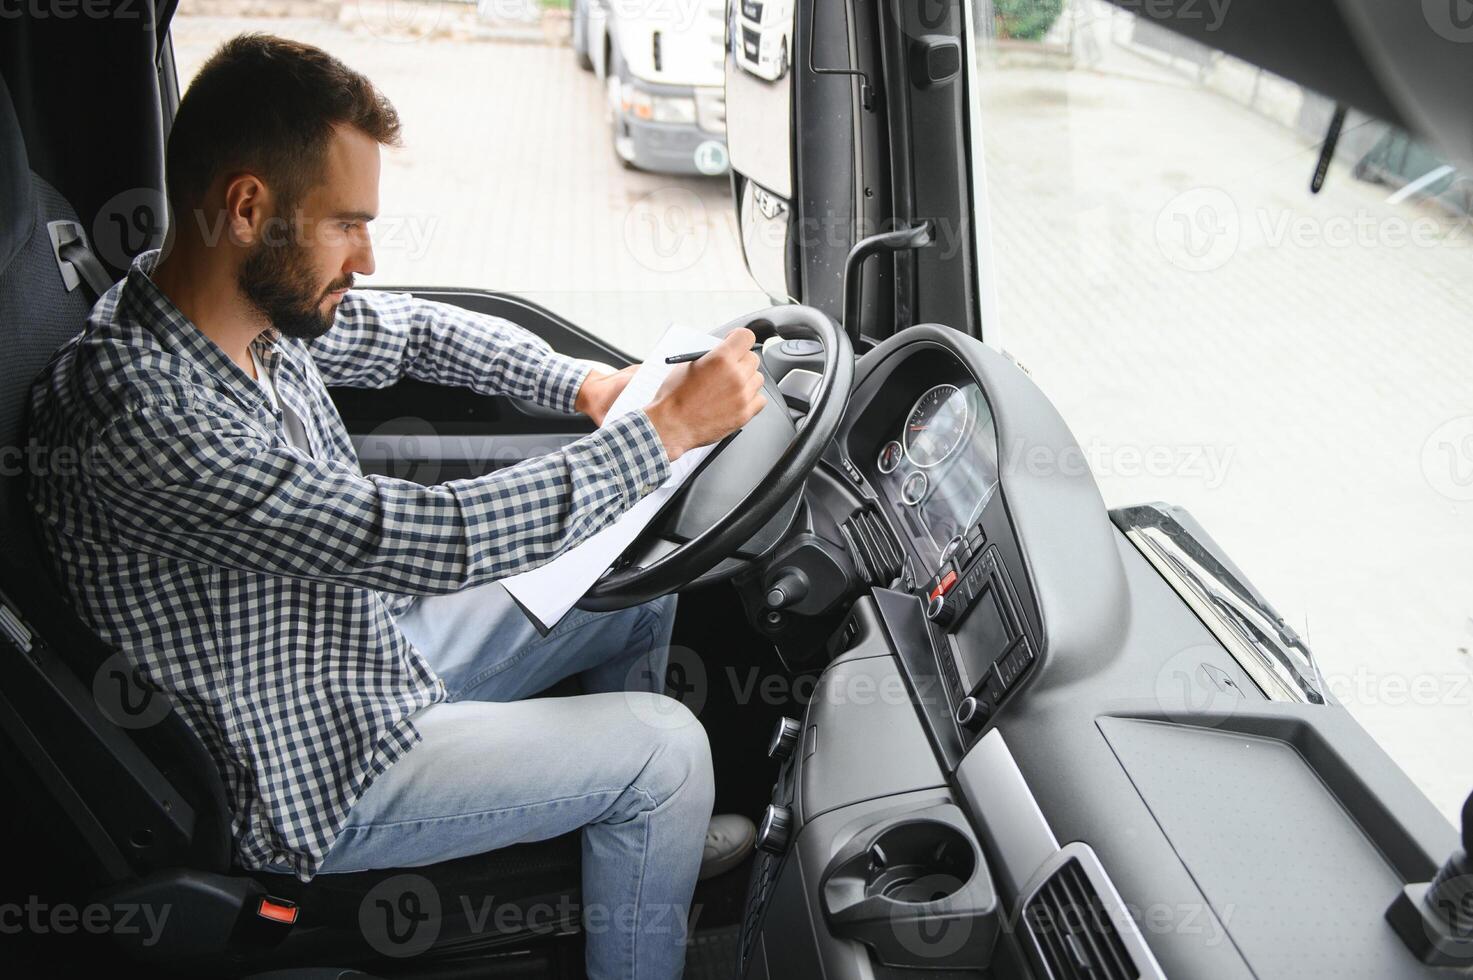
17,212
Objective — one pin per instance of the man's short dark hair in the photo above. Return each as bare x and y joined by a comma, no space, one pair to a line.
268,105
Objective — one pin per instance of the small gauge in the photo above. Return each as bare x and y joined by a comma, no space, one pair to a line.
913,489
890,456
936,425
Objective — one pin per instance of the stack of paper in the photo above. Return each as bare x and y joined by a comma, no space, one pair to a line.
547,592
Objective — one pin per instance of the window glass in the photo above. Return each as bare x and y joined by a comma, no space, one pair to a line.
1291,367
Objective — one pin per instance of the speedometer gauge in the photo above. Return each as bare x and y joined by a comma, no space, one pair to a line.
936,425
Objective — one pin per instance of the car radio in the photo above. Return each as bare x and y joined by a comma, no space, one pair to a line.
984,649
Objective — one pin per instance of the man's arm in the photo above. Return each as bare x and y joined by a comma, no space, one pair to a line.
380,337
202,488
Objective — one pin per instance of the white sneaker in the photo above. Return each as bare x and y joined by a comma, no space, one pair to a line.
729,839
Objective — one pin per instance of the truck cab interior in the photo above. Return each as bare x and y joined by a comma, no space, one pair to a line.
1004,730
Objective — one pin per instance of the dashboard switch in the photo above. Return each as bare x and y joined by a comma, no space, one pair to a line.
784,738
776,830
789,587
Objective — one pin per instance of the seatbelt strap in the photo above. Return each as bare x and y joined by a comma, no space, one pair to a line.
76,260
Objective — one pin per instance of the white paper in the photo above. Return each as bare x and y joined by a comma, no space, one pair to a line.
548,591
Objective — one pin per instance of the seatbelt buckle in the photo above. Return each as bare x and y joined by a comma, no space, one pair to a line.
265,921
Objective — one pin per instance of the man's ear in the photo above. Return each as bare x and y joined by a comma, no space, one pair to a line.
248,209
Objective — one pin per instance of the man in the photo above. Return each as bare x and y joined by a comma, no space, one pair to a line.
336,640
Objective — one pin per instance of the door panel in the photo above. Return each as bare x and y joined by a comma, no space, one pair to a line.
429,433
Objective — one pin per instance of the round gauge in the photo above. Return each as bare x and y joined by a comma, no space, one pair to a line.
890,457
913,489
936,425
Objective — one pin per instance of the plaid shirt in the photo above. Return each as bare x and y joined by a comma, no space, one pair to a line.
258,584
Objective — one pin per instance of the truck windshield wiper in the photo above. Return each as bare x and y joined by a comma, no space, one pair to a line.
1266,646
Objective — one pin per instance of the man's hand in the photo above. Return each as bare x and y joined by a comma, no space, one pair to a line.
703,401
599,390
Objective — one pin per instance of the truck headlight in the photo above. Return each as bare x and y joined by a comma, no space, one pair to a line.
658,108
637,103
674,109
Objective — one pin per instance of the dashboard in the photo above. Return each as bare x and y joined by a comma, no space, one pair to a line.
1082,771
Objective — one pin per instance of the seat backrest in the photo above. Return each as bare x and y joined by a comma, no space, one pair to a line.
116,779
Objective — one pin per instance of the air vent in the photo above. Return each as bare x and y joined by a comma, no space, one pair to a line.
875,552
1072,930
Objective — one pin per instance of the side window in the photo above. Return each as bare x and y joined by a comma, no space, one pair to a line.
571,155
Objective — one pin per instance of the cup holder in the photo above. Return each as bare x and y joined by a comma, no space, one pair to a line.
914,888
919,862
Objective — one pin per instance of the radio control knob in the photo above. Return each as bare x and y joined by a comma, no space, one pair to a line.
784,739
939,611
776,829
972,714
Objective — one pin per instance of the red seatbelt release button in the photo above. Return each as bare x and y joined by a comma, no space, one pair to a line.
277,910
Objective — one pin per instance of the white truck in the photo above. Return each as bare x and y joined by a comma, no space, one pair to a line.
662,65
761,36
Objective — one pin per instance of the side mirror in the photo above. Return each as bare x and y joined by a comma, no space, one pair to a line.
1435,919
759,137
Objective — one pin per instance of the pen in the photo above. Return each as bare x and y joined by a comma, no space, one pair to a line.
696,355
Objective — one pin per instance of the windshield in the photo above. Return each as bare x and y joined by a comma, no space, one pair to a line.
1291,367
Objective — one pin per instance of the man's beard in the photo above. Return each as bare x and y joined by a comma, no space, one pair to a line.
277,280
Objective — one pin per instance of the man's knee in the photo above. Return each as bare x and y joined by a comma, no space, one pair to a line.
679,753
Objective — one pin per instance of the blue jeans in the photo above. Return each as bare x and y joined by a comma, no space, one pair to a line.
622,761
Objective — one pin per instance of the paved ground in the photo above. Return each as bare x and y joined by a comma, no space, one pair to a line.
1203,323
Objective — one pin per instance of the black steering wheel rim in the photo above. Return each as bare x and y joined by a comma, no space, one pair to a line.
626,587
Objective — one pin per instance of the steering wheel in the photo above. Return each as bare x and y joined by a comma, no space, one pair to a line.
745,496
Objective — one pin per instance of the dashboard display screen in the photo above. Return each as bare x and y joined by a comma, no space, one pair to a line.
981,637
941,465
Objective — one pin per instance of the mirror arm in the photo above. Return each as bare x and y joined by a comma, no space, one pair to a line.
900,240
866,90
